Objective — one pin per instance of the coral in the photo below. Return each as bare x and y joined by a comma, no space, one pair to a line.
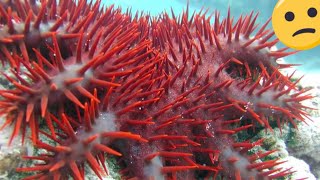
164,96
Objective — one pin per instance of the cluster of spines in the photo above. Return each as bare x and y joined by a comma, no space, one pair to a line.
158,87
253,71
30,100
71,151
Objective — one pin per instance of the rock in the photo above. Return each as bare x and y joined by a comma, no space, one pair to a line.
300,167
306,145
11,155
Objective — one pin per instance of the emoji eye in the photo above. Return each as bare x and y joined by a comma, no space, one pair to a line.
312,12
289,16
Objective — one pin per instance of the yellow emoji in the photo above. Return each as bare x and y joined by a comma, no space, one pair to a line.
296,23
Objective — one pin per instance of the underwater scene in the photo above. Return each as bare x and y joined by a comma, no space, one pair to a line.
159,90
309,59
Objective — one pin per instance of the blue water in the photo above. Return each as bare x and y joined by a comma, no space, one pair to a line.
310,59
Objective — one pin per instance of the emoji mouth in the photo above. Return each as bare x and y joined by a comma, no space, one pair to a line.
304,30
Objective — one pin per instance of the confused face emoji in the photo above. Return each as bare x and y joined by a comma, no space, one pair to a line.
296,23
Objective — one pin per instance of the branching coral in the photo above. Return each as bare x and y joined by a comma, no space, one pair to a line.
165,95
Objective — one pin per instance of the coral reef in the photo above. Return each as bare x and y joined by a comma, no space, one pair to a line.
164,95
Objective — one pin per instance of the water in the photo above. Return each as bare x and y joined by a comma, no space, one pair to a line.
310,59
